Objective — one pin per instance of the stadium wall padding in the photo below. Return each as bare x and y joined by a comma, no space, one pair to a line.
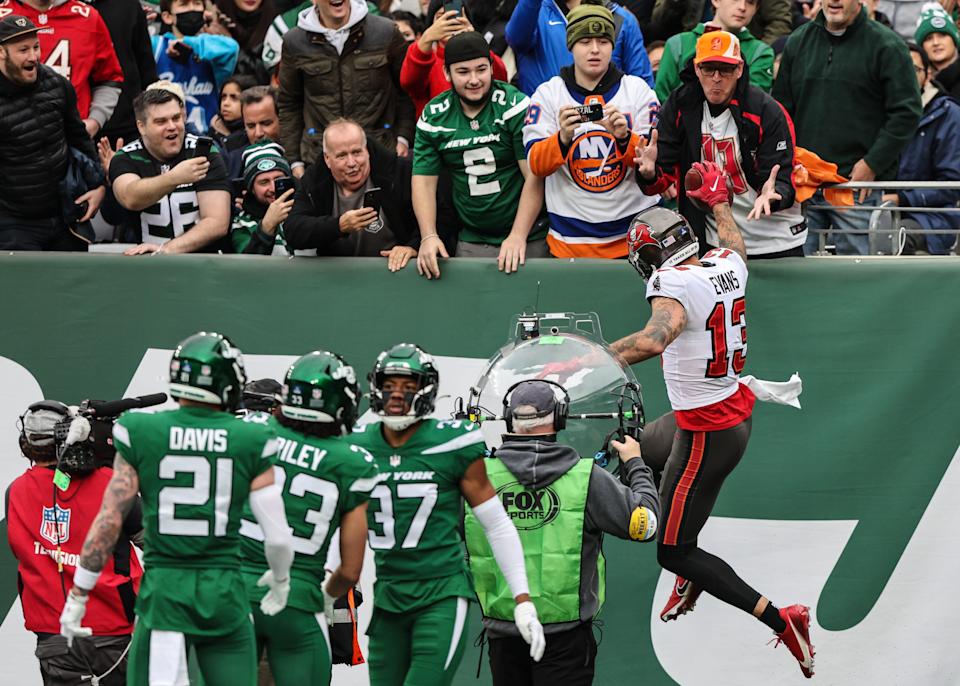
833,505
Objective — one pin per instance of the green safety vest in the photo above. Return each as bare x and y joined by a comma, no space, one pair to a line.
550,523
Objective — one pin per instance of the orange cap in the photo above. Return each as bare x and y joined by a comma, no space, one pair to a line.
718,46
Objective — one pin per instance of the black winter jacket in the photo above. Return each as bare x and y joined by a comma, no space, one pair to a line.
40,123
765,133
312,224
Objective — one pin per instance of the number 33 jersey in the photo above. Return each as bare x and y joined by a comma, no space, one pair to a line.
414,516
701,367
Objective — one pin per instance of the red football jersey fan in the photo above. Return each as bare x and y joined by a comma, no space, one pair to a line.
75,43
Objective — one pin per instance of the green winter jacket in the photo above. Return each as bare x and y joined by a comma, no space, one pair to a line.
682,47
851,96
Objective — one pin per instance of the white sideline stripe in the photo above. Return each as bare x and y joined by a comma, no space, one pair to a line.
325,630
461,441
367,485
458,623
517,109
168,659
270,448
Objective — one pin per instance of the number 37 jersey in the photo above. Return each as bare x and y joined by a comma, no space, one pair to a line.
702,365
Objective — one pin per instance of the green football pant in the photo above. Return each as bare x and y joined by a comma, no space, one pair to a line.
419,648
297,646
159,658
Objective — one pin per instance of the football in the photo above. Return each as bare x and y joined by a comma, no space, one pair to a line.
692,180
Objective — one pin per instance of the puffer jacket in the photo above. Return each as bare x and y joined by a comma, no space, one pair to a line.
361,81
40,123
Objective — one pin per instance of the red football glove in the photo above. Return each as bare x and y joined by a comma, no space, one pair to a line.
715,188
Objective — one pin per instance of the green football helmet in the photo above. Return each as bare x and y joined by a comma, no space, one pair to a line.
207,368
405,359
321,387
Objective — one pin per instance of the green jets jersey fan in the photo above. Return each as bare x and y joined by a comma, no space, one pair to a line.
481,157
414,513
321,478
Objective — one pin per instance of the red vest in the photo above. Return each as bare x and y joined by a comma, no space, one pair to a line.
34,527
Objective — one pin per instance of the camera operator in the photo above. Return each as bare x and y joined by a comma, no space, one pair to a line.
562,505
49,510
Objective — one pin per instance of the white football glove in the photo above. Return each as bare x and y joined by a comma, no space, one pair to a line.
328,600
72,615
276,598
525,617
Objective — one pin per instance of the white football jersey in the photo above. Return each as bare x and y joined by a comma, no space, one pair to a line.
780,231
702,365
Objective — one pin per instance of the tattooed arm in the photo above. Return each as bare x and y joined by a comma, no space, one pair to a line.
728,232
119,497
665,324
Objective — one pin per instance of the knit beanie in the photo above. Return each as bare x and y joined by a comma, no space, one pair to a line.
263,157
464,47
588,20
933,19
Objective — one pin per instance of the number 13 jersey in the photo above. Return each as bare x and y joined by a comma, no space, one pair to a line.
414,516
701,367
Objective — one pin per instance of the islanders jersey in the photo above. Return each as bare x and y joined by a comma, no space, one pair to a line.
480,155
591,191
75,43
783,230
701,367
415,512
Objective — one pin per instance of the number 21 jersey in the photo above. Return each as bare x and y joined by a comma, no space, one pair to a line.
701,367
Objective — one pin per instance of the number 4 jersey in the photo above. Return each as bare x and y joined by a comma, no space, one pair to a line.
322,479
414,515
701,367
480,155
75,43
195,465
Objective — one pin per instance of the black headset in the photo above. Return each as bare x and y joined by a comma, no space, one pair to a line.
51,405
561,407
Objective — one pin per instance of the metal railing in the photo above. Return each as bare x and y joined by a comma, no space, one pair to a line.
885,231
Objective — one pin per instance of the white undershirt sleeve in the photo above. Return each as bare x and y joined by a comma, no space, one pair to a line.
505,543
267,506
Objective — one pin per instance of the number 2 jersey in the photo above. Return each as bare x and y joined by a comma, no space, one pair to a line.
414,517
177,212
701,367
322,479
75,43
480,155
194,465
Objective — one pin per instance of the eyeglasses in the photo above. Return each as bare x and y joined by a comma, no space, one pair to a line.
712,69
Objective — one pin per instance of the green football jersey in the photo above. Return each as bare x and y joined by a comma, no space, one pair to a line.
480,155
321,479
415,512
195,466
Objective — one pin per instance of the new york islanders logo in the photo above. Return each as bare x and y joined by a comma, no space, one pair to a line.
595,163
55,524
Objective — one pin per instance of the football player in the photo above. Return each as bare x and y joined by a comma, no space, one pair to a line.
426,467
195,467
698,326
326,483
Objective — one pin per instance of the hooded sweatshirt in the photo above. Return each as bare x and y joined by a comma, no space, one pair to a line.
308,20
537,462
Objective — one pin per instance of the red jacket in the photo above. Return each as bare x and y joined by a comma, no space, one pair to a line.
422,77
33,531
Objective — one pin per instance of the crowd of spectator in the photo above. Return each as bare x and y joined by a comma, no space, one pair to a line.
420,130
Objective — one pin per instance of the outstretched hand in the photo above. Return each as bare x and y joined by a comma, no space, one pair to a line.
646,160
761,208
